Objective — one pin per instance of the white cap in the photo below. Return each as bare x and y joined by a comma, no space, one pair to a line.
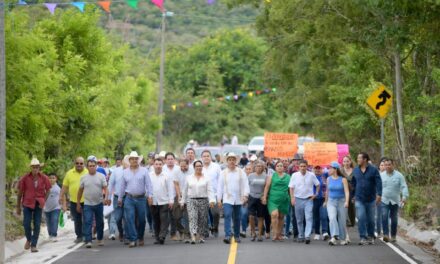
35,162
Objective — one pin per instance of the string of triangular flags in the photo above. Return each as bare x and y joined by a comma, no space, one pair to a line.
228,98
105,5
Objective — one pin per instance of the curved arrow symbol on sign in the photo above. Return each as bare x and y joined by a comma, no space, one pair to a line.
384,96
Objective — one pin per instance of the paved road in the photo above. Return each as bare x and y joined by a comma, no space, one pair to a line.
215,252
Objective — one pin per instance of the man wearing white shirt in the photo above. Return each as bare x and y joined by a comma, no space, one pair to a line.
302,195
171,170
190,154
181,213
114,185
162,202
212,171
233,189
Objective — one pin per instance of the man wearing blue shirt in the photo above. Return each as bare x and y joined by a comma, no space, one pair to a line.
367,188
393,184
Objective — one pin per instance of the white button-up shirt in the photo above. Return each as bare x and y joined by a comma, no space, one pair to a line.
163,189
233,186
303,184
171,173
213,172
197,188
181,179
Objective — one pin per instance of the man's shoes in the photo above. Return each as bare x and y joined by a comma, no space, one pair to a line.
386,239
161,241
141,242
317,237
371,241
112,237
362,242
243,234
332,241
100,243
89,245
27,245
227,240
307,240
325,236
237,240
78,240
34,249
393,239
132,244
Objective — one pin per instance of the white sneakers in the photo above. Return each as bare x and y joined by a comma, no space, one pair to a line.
332,241
89,245
325,236
112,237
53,239
317,237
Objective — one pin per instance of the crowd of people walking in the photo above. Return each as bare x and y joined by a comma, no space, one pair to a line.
183,199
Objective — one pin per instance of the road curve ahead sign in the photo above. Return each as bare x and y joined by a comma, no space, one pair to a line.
380,101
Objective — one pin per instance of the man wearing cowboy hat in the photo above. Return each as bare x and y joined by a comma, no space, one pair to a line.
33,189
233,189
135,187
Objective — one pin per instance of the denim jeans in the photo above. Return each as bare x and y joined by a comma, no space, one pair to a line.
320,217
232,214
379,218
244,215
214,218
90,212
390,211
77,219
338,217
52,219
116,218
304,209
291,219
365,212
135,207
32,216
149,217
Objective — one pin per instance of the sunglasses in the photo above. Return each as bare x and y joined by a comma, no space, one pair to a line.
79,163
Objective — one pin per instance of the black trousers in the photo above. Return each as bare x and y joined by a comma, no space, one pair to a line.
161,220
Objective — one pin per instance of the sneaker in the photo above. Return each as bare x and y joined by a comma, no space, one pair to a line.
201,241
362,242
100,243
376,234
193,242
237,240
187,241
112,237
317,237
243,234
332,241
132,244
386,239
34,249
89,245
371,241
393,239
27,245
343,243
325,236
227,240
285,237
307,240
78,240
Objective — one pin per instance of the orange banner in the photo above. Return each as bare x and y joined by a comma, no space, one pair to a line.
320,153
280,145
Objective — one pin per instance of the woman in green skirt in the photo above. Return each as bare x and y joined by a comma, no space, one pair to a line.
276,196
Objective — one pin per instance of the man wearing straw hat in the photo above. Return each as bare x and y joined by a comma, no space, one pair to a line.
33,189
233,190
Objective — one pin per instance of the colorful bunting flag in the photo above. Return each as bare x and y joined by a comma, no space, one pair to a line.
79,5
159,4
133,3
105,5
51,7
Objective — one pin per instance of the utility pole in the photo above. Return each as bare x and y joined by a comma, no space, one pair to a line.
2,132
161,82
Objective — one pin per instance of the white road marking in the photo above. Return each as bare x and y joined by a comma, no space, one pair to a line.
400,252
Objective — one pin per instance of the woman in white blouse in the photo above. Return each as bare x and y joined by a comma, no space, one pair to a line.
197,194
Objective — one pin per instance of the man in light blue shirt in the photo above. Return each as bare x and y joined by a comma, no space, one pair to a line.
393,185
114,185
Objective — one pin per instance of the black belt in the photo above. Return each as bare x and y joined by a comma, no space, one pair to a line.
135,196
199,198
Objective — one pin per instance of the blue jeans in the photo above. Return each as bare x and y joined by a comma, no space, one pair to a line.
389,211
320,217
52,219
379,218
244,214
232,214
116,218
91,211
365,212
32,216
304,209
135,207
77,219
291,219
338,217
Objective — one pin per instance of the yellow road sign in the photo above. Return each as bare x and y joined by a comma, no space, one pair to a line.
380,101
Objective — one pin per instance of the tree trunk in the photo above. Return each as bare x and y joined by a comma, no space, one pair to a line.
399,89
